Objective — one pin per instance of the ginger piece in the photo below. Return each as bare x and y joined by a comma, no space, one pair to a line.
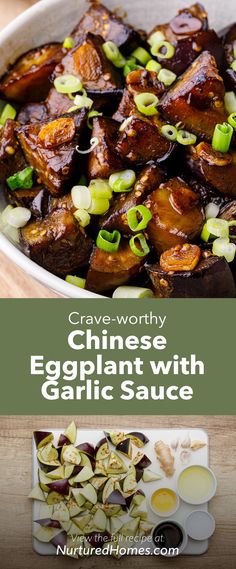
165,457
196,445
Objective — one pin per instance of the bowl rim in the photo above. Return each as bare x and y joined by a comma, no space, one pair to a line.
206,513
184,532
171,512
11,251
211,495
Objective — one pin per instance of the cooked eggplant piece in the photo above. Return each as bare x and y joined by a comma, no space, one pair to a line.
189,33
35,199
57,243
109,270
101,21
148,180
32,113
177,215
212,278
50,148
11,156
142,142
216,169
103,160
197,98
126,107
139,81
228,212
28,80
229,39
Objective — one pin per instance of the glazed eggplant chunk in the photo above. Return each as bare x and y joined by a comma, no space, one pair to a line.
148,180
100,21
189,34
109,270
124,155
212,278
177,215
57,243
50,148
141,141
216,169
29,79
197,99
11,156
103,160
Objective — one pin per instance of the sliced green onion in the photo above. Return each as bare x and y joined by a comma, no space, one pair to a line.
222,137
12,233
69,43
169,131
107,241
233,65
141,55
218,227
4,214
99,206
22,179
17,217
155,38
81,101
232,120
81,197
76,281
136,224
223,248
122,181
153,65
205,234
8,113
100,189
132,292
167,77
83,181
67,84
130,66
82,216
184,137
143,249
211,210
91,115
230,102
126,123
113,53
146,103
163,50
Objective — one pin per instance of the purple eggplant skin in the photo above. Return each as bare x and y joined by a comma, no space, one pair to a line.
40,436
144,462
59,540
149,179
130,498
47,522
63,441
139,473
212,278
116,498
229,37
60,486
104,160
142,142
140,436
32,113
97,539
11,156
215,169
125,447
87,448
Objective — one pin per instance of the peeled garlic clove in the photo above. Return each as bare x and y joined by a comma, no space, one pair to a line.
174,444
185,456
186,443
196,445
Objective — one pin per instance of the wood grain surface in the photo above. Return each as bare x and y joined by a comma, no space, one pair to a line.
13,282
15,483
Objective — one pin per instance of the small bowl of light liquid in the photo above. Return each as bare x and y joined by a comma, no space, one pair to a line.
196,485
164,502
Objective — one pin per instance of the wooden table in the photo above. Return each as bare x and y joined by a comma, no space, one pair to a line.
15,483
13,282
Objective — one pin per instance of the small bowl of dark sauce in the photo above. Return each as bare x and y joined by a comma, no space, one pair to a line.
170,537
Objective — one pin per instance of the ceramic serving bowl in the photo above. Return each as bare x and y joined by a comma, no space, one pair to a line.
51,20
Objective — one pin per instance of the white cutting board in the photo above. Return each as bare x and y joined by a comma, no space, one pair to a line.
200,457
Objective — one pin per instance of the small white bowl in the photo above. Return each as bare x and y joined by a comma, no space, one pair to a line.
184,533
171,512
208,496
200,525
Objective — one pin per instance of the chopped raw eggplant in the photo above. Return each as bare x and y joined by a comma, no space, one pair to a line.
61,512
48,523
107,490
124,447
87,448
138,439
59,540
141,460
70,454
85,474
197,99
100,468
129,484
37,493
139,512
115,464
89,493
48,457
28,80
46,534
145,528
42,438
130,528
115,437
177,215
102,450
71,432
149,476
99,520
116,498
60,486
98,482
54,498
79,498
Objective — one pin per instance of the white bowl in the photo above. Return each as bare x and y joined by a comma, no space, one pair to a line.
183,530
208,496
50,20
171,512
